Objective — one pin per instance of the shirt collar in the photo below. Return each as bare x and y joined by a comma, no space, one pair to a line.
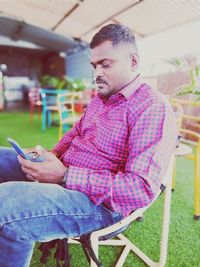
131,87
126,91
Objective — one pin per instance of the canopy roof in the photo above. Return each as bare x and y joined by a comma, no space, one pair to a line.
58,24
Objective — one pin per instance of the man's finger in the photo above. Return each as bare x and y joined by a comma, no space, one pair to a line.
28,171
39,149
48,155
27,163
31,178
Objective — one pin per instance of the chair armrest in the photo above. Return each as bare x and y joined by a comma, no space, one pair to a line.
185,102
196,135
191,132
191,117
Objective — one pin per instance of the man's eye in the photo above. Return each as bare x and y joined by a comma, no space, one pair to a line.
106,66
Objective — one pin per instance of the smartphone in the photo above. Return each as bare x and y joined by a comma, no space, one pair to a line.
17,148
32,156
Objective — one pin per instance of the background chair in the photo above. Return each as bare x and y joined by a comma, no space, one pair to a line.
34,101
101,237
49,105
66,110
186,143
182,149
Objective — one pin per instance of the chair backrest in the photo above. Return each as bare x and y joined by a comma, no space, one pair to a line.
191,108
190,125
49,96
66,110
34,96
178,110
65,103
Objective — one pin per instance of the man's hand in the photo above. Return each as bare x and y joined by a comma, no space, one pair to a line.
51,170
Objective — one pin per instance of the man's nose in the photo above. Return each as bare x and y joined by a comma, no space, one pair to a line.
98,71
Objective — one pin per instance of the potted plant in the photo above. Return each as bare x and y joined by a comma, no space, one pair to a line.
53,82
78,85
188,64
69,84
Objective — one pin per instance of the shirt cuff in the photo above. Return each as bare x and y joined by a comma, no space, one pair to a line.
64,180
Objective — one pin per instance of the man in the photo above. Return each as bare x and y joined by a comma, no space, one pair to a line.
110,163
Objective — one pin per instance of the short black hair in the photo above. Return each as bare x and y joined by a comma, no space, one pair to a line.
116,33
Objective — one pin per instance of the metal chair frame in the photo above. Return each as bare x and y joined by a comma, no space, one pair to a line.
67,115
96,236
49,105
188,152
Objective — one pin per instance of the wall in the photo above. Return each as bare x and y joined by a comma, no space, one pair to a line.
21,62
53,64
78,64
25,66
31,63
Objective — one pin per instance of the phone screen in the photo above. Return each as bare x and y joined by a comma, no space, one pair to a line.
17,148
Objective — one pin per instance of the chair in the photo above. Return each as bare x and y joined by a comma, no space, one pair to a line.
67,115
98,237
35,101
49,105
186,150
182,149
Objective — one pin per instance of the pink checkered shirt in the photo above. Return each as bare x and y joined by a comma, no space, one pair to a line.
118,152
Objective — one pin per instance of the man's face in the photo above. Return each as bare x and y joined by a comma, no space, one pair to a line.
114,66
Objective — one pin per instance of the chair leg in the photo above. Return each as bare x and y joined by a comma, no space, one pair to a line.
60,132
196,187
95,246
123,256
43,120
174,176
165,226
130,246
48,118
39,112
31,112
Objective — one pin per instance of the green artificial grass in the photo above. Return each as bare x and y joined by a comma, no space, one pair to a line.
18,126
184,238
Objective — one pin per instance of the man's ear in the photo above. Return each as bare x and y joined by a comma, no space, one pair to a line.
134,61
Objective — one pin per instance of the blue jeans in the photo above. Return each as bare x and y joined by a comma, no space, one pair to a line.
32,211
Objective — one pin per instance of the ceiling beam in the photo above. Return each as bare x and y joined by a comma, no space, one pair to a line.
16,35
111,17
140,35
66,15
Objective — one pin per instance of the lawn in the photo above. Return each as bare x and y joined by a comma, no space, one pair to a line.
184,239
